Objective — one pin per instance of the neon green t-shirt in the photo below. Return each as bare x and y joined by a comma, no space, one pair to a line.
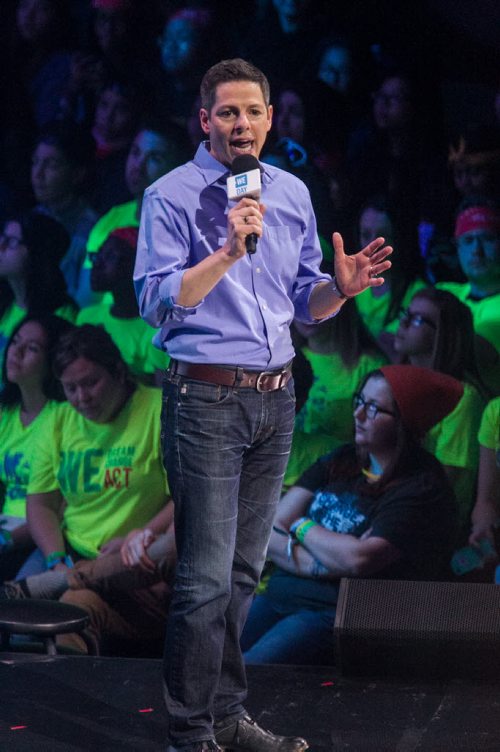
16,443
485,312
111,475
328,408
133,337
486,318
373,308
123,215
489,429
453,441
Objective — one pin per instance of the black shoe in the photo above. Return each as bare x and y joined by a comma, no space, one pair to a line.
14,591
207,746
244,735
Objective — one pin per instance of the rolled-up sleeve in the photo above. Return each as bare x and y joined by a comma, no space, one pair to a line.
161,261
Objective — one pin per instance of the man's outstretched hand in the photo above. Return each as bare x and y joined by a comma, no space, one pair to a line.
363,269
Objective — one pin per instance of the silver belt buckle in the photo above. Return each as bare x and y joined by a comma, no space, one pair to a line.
261,375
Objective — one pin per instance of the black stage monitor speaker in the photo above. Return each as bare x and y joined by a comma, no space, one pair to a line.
434,630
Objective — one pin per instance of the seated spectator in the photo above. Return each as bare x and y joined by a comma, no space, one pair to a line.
155,150
97,472
31,249
474,164
62,159
29,396
341,352
293,150
485,516
125,594
380,508
397,153
477,234
189,43
436,331
379,306
40,55
112,271
115,122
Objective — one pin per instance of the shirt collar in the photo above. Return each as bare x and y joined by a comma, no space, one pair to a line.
214,171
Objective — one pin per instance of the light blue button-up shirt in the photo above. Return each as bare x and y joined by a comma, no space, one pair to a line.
244,321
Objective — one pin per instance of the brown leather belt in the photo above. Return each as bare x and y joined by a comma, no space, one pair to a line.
262,381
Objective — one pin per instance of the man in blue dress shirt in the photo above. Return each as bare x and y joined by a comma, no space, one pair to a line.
224,318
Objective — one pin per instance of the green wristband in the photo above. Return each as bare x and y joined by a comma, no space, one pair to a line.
300,532
54,558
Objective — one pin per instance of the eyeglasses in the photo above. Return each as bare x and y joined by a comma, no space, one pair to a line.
415,319
371,408
10,241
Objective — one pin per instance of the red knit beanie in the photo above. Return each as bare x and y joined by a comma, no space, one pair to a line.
424,397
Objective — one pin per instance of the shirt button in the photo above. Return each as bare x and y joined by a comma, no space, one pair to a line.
258,270
264,307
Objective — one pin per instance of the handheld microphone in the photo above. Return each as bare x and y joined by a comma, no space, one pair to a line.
245,182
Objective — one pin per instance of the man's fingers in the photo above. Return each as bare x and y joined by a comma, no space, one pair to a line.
338,243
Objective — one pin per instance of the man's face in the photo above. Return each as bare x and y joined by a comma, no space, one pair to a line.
238,122
479,254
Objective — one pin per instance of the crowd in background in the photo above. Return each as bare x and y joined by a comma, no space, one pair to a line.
389,113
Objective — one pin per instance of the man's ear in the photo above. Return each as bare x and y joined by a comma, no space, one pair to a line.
204,121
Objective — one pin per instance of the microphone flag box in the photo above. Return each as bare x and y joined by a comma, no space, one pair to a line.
246,184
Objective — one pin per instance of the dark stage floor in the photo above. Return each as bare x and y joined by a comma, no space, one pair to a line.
65,704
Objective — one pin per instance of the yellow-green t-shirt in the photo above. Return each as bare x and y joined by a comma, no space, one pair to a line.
123,215
373,308
328,408
485,312
133,337
453,441
111,475
486,318
489,429
16,443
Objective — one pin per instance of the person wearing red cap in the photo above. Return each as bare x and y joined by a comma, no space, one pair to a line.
381,507
477,235
112,270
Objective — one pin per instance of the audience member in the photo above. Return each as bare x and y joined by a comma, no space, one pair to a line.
436,331
393,154
31,249
341,352
379,309
477,235
155,150
485,516
116,116
61,167
125,594
382,507
112,271
96,474
190,42
29,395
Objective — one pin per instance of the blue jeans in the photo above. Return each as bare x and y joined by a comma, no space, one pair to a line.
302,637
225,452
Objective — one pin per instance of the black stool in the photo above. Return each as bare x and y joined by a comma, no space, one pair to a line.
43,619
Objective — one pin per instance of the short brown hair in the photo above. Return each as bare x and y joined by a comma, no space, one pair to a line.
236,69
